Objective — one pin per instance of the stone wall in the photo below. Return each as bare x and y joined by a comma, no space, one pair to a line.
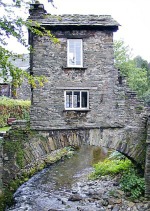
147,164
99,77
23,92
113,108
1,165
116,118
25,149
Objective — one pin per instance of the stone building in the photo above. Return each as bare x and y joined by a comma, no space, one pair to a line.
85,98
24,90
81,89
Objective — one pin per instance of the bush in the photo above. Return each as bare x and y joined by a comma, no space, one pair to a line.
18,109
110,167
116,156
133,184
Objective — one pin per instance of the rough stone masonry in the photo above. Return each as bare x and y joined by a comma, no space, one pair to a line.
113,116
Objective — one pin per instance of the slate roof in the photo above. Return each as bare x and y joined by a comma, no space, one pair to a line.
79,20
39,14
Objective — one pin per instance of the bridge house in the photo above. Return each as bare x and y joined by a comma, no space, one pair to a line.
85,98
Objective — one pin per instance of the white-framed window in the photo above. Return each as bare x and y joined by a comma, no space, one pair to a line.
74,53
76,100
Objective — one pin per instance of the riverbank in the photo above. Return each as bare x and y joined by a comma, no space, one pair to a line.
99,195
65,187
102,195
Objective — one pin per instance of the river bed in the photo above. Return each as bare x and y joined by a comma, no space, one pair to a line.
64,186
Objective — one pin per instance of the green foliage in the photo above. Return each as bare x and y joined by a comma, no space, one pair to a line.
122,56
15,147
18,75
146,96
4,128
137,80
116,156
6,199
133,184
136,70
12,25
110,167
18,109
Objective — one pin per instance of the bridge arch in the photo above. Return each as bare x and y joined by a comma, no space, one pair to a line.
40,144
123,140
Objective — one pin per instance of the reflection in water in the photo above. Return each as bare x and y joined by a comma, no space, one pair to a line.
65,173
99,154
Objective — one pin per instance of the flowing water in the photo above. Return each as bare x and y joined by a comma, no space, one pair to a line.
45,190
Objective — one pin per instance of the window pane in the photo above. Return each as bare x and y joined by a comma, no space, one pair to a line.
76,100
68,99
84,99
78,55
71,52
74,52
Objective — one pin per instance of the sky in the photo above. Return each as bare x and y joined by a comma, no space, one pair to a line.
132,15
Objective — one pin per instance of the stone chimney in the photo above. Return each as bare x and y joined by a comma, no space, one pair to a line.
37,10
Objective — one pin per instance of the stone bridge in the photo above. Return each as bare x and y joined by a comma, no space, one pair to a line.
85,104
33,147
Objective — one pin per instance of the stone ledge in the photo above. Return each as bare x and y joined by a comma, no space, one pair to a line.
77,88
74,110
74,68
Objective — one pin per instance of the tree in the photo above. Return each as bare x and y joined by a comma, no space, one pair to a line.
136,70
122,56
12,25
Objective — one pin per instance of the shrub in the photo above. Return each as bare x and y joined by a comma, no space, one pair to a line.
133,184
110,167
116,156
18,109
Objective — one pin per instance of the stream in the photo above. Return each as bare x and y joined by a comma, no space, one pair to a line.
64,186
44,191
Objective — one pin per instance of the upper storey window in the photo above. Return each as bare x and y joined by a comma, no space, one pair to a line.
74,53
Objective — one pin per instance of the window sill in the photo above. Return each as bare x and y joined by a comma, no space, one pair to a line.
74,68
77,110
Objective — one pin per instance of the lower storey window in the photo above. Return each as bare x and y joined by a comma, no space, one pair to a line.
76,100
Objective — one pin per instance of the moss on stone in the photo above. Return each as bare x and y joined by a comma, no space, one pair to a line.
139,109
15,147
7,197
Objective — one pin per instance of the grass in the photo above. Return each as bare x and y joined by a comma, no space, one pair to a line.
4,129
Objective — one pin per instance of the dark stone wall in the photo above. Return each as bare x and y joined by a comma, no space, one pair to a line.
1,165
24,149
24,91
99,77
147,164
114,109
147,172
